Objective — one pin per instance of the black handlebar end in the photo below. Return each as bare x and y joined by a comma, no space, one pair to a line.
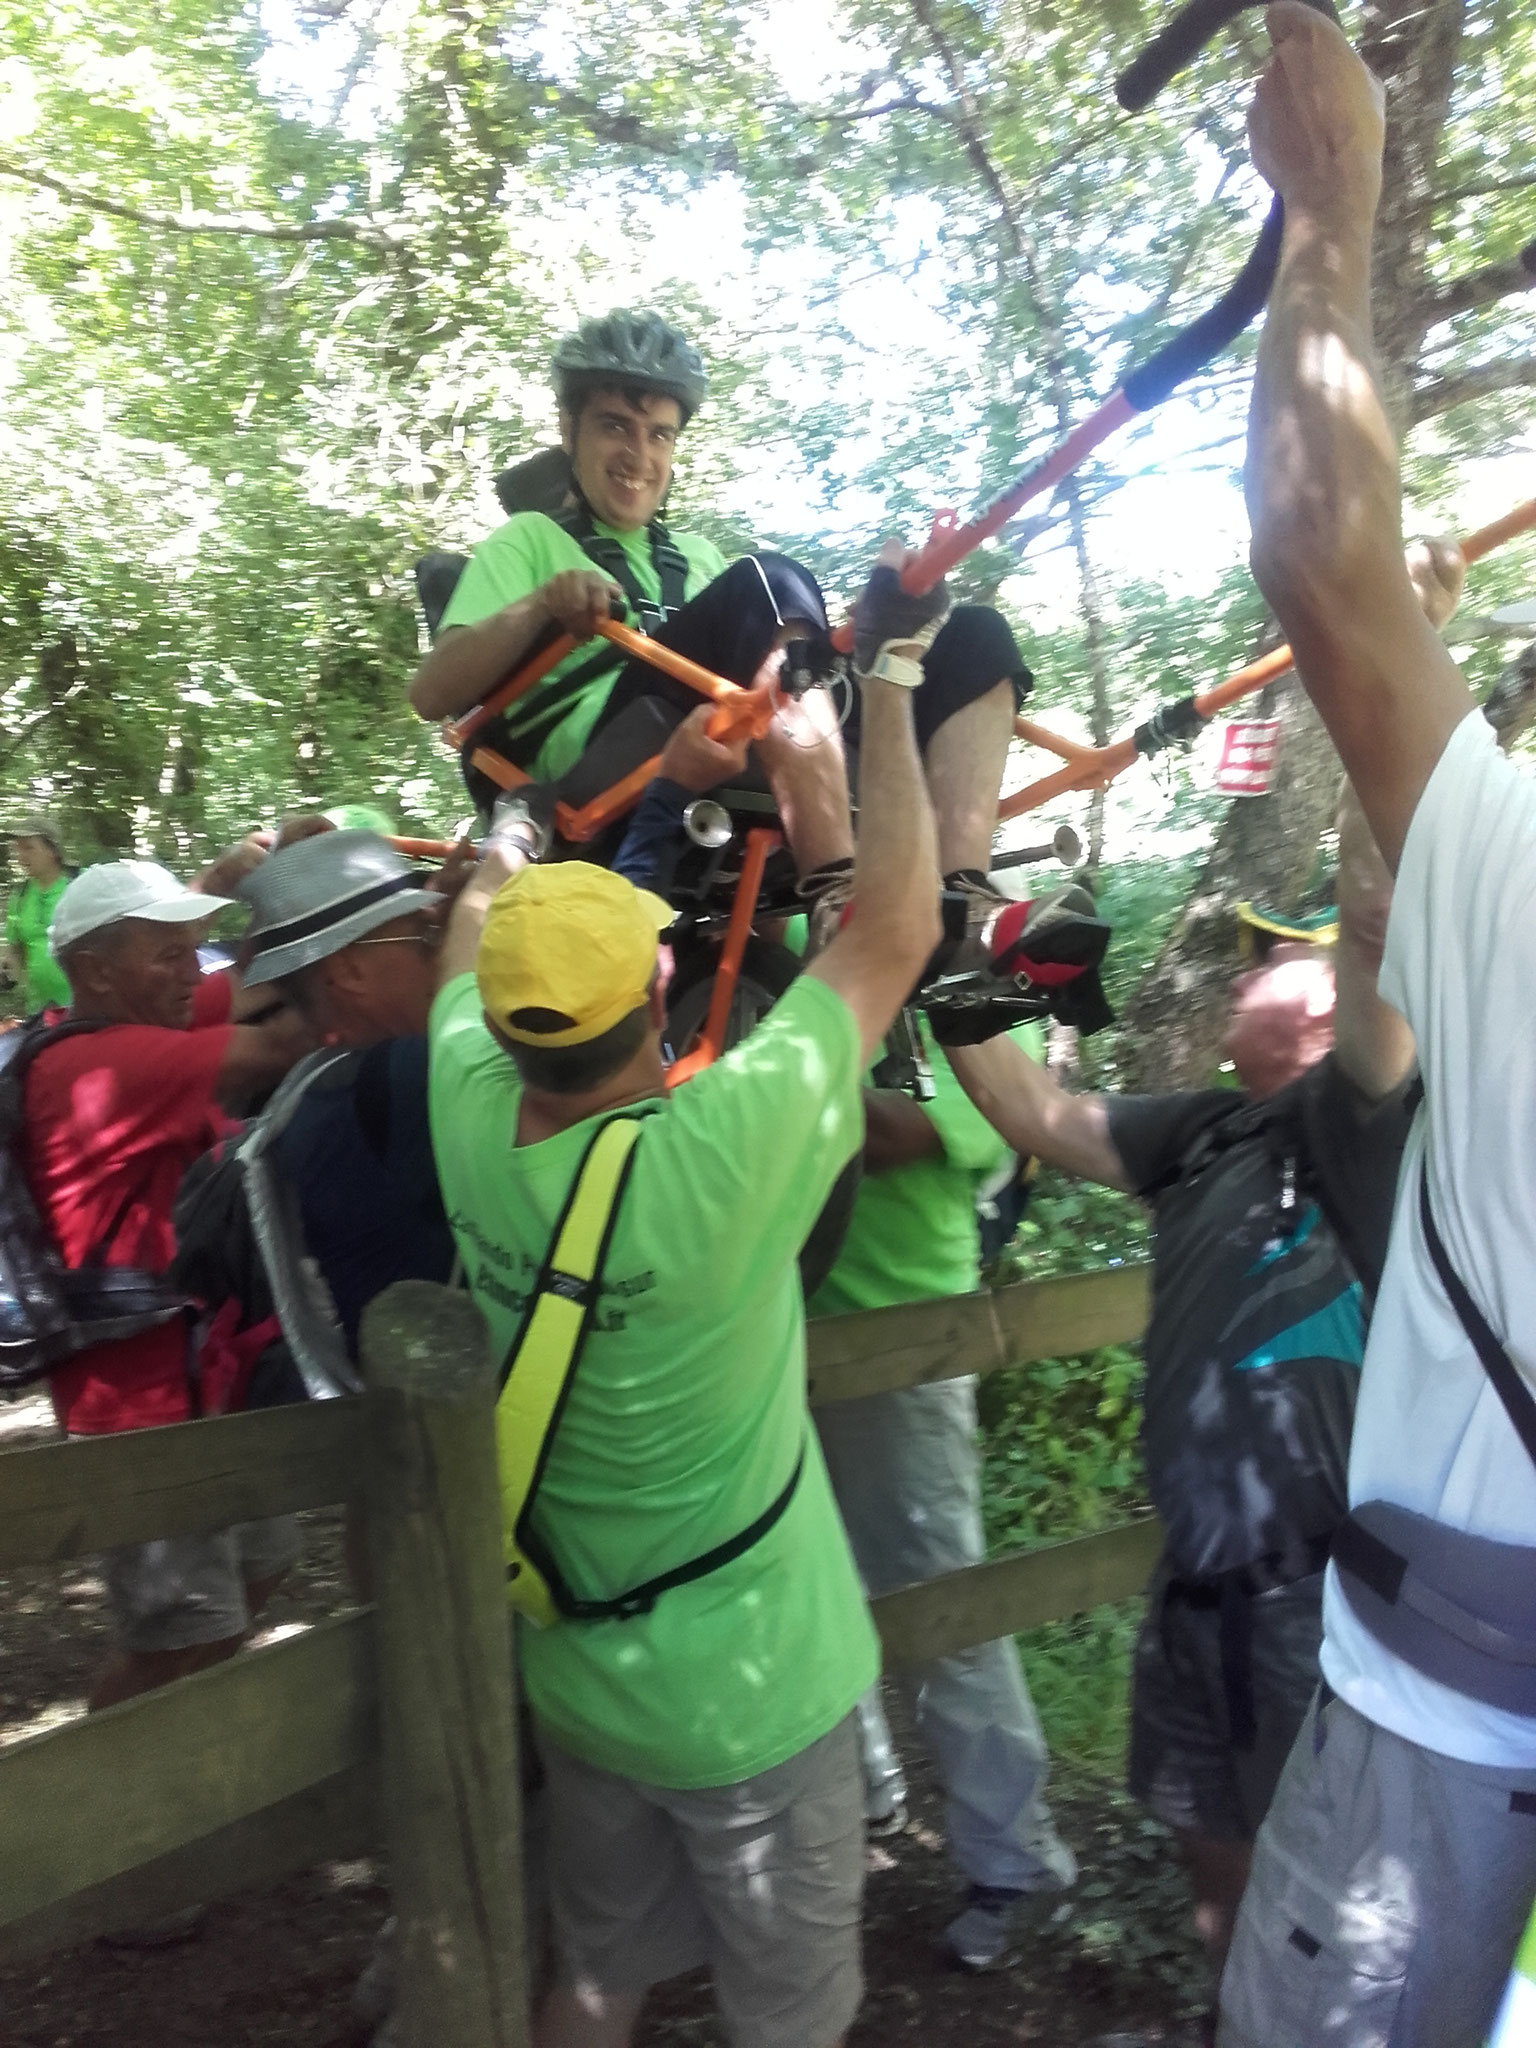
1220,325
1174,46
1182,40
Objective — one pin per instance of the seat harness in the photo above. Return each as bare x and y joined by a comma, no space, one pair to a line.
550,704
536,1379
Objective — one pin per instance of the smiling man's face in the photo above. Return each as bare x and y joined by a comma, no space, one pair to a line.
620,447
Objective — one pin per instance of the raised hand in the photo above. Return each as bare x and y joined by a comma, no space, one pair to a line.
892,630
1317,123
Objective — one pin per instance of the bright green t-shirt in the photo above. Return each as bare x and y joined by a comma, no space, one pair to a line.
28,918
913,1234
514,560
688,1409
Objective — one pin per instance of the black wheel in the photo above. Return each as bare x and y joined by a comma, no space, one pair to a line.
766,972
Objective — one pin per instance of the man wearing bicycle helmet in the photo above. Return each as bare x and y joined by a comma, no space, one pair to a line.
627,384
588,530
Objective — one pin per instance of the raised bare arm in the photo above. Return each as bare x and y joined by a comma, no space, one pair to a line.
878,955
1324,495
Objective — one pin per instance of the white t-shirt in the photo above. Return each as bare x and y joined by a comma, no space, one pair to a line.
1430,1431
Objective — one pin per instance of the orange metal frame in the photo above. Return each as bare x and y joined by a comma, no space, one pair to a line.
739,714
746,713
1096,767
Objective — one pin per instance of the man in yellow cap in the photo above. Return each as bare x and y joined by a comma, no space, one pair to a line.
694,1701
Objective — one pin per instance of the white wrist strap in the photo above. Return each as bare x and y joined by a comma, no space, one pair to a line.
899,662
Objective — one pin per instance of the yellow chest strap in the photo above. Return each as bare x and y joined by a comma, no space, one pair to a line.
537,1375
541,1364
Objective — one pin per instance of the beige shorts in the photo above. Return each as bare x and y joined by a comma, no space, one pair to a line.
181,1591
763,1881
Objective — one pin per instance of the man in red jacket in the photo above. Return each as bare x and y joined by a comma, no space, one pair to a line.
113,1118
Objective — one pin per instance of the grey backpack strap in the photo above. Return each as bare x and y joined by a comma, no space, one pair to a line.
1459,1608
299,1297
1519,1402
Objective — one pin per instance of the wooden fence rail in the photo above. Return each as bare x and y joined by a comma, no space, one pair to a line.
274,1761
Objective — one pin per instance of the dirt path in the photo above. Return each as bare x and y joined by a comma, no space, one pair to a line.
278,1966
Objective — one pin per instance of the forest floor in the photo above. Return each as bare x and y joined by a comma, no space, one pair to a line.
277,1966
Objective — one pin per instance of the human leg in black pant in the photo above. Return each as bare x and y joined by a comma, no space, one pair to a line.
761,602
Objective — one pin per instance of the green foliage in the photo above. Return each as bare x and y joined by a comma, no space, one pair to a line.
1062,1459
1062,1447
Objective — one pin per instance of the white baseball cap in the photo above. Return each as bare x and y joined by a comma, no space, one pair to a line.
116,889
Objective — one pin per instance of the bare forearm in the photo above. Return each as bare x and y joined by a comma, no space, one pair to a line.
897,1131
1371,1042
469,661
501,860
896,863
1037,1118
802,752
259,1055
1325,503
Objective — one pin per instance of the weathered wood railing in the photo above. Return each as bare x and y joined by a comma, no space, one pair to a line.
394,1724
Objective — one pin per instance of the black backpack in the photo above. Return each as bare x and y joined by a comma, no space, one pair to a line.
50,1311
240,1241
1254,1346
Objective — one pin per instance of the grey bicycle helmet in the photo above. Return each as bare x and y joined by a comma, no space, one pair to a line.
630,348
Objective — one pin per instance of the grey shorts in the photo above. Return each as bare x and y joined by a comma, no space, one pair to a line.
1185,1765
763,1881
1390,1889
182,1591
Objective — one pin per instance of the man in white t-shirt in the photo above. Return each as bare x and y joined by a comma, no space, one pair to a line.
1399,1860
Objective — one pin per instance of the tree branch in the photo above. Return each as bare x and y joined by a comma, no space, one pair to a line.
1442,393
1484,188
627,131
1482,287
195,221
908,103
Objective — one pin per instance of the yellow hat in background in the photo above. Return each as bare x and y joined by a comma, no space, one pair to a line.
572,939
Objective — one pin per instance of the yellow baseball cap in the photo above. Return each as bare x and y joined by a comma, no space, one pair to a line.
572,939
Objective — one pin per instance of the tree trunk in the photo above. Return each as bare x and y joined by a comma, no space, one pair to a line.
1263,854
1267,845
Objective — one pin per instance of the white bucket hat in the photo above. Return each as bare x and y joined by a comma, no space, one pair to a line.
116,889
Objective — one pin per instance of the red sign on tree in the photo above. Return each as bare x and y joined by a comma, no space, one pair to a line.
1250,751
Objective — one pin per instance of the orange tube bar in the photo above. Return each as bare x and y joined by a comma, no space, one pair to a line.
1095,768
421,849
578,826
704,680
1497,531
761,841
1038,736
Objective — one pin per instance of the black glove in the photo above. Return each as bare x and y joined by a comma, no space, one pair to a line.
892,631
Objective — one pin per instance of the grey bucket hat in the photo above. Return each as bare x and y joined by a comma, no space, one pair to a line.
312,899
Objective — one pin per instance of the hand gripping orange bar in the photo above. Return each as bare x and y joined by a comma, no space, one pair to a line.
704,680
739,714
1097,767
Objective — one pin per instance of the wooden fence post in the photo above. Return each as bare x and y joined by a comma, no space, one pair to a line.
449,1741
